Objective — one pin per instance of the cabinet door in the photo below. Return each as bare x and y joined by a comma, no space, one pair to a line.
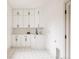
39,39
20,17
15,21
33,41
36,17
27,41
18,43
32,18
20,21
22,41
25,21
15,18
14,41
15,12
25,18
36,40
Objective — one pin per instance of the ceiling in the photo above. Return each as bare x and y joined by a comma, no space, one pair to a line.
27,3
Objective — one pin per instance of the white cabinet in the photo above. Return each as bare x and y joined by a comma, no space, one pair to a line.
18,12
32,18
37,42
14,41
15,21
20,21
18,42
21,18
25,21
17,18
21,41
36,18
27,41
25,18
33,41
40,42
15,12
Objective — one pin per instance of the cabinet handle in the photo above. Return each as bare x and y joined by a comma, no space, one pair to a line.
16,39
25,39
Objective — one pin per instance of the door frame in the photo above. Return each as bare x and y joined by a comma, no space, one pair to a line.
67,29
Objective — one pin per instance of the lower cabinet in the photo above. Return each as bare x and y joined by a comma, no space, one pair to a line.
32,41
38,42
20,41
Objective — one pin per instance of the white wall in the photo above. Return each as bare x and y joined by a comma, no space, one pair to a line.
27,3
54,21
9,22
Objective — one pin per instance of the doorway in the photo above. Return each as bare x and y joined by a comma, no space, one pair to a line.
67,29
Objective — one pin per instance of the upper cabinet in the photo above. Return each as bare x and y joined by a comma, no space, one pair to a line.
36,18
32,18
17,18
15,21
18,12
24,17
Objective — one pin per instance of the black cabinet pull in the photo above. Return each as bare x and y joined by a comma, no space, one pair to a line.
16,39
25,39
65,36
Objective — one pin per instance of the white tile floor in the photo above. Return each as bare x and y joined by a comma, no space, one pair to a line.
30,54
